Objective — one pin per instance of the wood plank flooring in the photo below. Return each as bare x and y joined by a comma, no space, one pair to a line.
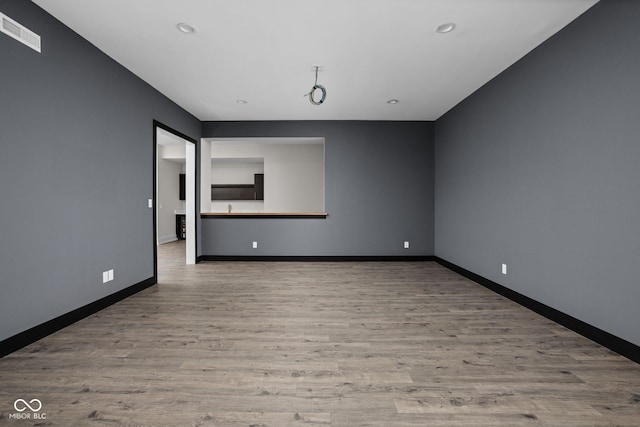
318,344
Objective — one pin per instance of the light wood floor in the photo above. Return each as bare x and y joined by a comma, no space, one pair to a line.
318,344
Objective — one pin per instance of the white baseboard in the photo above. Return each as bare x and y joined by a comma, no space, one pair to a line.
167,239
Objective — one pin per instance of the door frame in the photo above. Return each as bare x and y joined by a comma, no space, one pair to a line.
158,125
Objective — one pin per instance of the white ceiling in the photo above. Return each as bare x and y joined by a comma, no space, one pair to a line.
263,51
164,138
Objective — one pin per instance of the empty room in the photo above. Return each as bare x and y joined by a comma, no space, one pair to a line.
384,213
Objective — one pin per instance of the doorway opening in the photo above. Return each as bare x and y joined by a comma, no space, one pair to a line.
174,195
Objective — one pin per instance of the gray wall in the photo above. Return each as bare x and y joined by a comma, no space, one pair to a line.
378,193
540,169
76,170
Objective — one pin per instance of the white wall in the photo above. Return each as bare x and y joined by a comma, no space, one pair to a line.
205,176
227,171
168,198
293,176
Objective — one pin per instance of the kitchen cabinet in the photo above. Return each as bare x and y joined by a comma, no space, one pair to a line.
182,191
181,226
253,191
259,184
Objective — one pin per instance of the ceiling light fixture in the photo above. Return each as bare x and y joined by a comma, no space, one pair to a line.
316,87
445,28
186,28
392,101
242,101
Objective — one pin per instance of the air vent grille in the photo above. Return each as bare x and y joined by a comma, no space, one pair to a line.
20,33
10,27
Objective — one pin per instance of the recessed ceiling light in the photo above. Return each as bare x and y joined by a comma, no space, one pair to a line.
445,28
186,28
242,101
392,101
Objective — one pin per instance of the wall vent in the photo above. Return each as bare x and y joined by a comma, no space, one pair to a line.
20,32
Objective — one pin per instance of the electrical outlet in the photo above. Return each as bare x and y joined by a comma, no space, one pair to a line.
504,268
406,244
255,245
107,276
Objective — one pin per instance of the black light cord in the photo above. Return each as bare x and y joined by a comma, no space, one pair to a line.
315,87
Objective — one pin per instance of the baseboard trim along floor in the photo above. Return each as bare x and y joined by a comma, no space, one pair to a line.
32,335
321,258
612,342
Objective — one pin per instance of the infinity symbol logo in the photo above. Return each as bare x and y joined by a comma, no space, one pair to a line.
21,405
